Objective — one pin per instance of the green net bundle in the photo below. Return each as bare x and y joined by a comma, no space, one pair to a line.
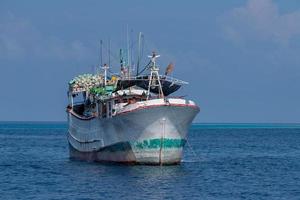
98,91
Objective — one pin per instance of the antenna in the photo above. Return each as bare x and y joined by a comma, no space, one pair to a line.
153,59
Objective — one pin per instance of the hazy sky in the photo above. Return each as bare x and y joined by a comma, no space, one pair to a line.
241,57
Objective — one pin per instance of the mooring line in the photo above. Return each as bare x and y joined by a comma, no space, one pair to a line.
193,152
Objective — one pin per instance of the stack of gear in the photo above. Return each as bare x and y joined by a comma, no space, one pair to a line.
85,82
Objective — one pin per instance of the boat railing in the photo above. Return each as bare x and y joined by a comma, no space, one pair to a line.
81,116
162,77
174,80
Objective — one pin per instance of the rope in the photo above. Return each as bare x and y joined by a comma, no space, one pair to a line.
146,67
193,152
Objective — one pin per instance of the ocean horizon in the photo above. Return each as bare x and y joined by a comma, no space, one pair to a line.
196,125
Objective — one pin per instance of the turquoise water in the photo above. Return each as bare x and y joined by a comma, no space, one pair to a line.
221,161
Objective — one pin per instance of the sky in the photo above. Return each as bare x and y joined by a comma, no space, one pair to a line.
240,57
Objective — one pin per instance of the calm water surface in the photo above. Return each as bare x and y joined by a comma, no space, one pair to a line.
223,161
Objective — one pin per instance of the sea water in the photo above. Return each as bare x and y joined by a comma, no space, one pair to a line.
221,161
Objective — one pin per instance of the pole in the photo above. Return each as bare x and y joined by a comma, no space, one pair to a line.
105,67
139,55
109,52
101,44
128,53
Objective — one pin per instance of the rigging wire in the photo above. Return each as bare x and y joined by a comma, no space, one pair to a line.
111,54
115,58
146,67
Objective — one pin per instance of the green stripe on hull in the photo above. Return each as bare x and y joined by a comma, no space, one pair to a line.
165,143
158,143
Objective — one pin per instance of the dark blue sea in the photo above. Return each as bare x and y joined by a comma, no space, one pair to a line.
221,161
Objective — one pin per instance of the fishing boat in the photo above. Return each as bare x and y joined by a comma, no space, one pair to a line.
128,119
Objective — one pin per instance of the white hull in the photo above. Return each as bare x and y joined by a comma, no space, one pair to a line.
152,133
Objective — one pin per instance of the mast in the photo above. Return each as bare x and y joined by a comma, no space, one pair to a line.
131,49
139,55
154,76
121,59
128,53
109,52
122,63
105,68
101,44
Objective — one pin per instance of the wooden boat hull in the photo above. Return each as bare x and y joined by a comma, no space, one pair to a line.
152,134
